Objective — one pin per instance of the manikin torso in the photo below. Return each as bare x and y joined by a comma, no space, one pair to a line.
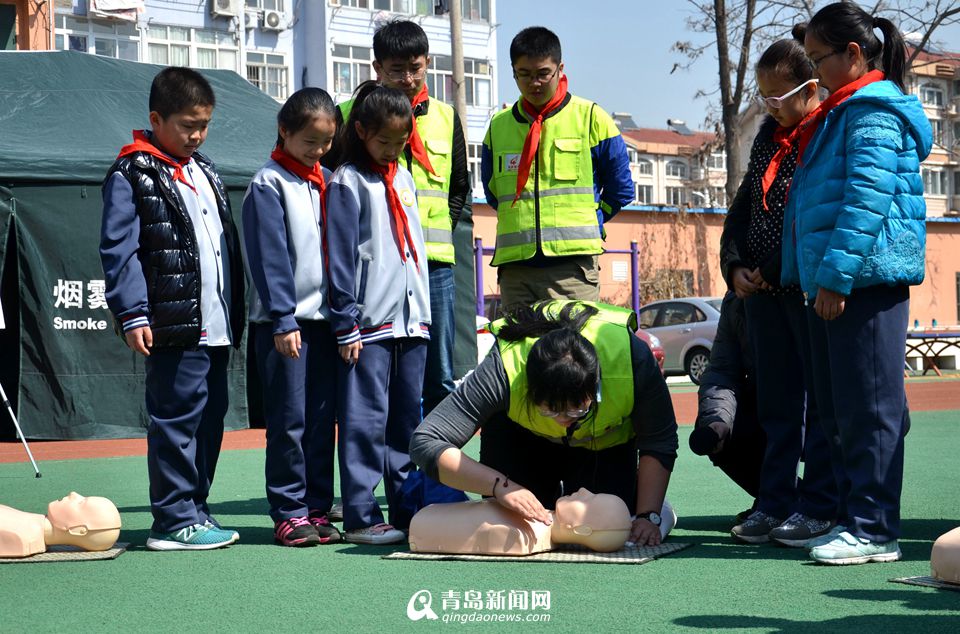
89,523
483,527
945,557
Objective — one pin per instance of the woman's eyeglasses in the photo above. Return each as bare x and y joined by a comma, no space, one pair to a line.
570,413
816,61
777,102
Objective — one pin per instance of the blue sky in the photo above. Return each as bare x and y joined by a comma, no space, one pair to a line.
617,53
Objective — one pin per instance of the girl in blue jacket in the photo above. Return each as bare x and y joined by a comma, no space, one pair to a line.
788,510
854,239
284,217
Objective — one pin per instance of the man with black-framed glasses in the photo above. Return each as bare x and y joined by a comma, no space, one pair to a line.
555,168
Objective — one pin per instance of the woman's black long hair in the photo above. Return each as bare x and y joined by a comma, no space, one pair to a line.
840,23
562,367
373,106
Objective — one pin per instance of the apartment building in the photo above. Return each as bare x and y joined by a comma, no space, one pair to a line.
674,167
283,45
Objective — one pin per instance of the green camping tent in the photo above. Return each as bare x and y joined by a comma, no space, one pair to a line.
63,117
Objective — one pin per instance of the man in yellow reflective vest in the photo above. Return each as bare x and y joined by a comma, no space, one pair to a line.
555,168
437,157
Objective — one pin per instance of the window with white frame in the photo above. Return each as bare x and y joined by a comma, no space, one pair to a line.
717,160
351,67
359,4
170,45
424,7
644,167
931,94
268,5
934,182
477,80
676,169
937,126
120,40
718,196
475,10
676,196
642,194
268,72
473,165
397,6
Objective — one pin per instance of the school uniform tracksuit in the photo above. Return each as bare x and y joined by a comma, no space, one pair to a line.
382,300
282,239
186,387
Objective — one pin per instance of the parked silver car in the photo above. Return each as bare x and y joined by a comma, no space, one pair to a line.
686,327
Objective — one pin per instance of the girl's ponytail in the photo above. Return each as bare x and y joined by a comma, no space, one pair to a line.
894,52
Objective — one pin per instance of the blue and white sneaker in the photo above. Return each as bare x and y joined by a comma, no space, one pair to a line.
196,537
212,524
848,549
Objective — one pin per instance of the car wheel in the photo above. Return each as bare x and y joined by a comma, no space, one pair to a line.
697,361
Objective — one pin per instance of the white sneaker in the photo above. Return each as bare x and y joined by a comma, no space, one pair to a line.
377,534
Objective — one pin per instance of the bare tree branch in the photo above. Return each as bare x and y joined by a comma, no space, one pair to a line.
740,29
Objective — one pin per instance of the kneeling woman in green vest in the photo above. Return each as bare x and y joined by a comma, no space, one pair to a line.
568,398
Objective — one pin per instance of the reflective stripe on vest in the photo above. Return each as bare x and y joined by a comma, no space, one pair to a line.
433,190
609,422
559,197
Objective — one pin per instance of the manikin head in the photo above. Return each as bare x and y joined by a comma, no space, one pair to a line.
599,521
91,523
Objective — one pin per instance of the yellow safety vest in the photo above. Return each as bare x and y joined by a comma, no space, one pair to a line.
433,190
609,424
557,208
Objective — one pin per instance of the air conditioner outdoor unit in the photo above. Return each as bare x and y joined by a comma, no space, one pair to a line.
273,21
250,19
226,8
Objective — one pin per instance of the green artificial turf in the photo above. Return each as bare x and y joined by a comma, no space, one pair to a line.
256,586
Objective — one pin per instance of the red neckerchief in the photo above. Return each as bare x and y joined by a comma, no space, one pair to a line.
417,149
532,142
802,133
811,122
142,143
401,228
784,138
313,175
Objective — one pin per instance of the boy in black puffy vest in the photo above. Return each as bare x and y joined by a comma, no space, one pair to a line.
174,279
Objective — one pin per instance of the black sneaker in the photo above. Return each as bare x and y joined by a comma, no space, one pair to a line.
756,528
799,530
327,531
295,531
336,513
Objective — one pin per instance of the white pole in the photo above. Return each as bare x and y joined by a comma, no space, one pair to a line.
3,396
